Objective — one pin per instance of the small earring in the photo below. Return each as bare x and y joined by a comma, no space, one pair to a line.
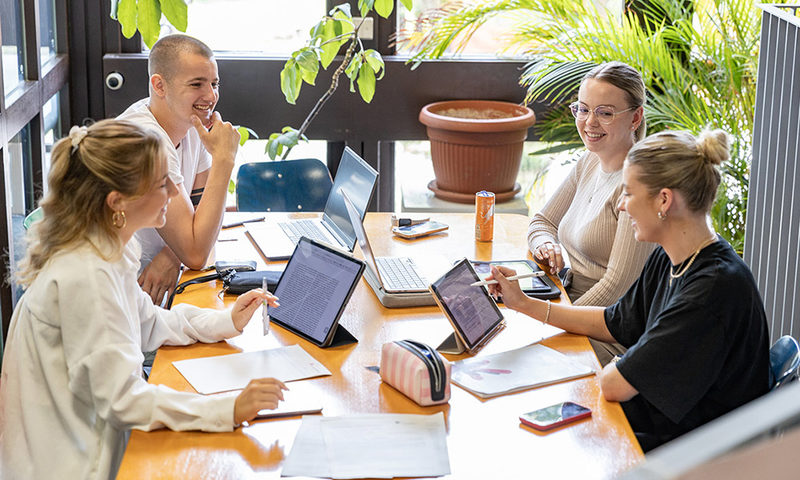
662,215
118,219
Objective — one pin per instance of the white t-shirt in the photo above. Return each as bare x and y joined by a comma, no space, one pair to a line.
72,381
184,163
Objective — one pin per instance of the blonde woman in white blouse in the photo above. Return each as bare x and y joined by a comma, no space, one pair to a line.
72,385
583,218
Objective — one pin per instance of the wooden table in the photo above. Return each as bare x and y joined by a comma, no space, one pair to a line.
485,438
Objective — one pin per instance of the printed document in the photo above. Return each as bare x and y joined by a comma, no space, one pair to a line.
370,445
234,372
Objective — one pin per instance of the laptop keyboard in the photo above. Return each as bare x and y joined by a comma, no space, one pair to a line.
303,228
398,273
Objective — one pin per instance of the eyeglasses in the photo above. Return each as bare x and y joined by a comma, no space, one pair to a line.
603,114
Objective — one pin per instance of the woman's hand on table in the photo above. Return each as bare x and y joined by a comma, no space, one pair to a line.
259,394
549,254
247,303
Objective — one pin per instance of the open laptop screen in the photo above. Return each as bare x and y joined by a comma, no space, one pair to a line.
471,310
358,179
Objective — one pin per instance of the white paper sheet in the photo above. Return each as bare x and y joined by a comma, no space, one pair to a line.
533,366
373,445
233,372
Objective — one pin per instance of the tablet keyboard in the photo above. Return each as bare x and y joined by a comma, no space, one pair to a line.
398,273
303,228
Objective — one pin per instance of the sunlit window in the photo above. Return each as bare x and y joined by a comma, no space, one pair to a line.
257,26
13,46
47,29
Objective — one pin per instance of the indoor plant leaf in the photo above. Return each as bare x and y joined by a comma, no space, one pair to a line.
366,82
126,15
384,7
148,20
291,81
176,12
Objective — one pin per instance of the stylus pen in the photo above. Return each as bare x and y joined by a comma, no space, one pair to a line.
265,308
239,224
513,277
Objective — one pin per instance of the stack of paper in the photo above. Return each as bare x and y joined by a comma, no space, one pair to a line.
515,370
373,445
234,372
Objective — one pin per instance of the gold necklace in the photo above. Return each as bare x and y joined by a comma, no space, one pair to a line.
691,260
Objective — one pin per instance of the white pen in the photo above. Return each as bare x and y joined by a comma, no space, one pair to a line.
265,308
513,277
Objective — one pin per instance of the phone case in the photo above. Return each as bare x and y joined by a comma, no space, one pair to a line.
440,227
531,422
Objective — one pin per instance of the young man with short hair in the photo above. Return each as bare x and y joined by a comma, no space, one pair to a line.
184,89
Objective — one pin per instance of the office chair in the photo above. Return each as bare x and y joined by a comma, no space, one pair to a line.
35,215
283,186
784,360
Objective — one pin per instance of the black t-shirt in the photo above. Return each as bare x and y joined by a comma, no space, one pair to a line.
697,349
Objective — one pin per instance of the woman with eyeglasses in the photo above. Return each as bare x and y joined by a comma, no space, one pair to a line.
693,322
582,218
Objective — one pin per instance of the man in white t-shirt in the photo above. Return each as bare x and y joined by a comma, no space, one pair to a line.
184,89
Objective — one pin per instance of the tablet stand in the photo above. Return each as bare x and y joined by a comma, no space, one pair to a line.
341,337
452,345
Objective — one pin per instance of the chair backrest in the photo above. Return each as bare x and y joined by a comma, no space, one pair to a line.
283,186
35,215
784,360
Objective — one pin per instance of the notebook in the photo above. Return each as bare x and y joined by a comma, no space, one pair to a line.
471,311
357,178
314,290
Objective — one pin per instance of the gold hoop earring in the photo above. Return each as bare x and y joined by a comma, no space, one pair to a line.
118,219
662,215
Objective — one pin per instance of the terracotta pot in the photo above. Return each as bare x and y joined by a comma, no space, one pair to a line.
474,154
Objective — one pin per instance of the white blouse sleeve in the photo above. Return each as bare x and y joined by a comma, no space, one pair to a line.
101,329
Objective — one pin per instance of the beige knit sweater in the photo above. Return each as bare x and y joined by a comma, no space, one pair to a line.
583,217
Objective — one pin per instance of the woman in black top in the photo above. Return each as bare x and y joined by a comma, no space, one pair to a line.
693,323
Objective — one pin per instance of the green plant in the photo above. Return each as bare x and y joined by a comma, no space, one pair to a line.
362,66
699,67
144,16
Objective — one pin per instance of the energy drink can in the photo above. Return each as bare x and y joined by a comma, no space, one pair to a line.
484,216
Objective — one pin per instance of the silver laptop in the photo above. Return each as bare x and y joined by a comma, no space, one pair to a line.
394,274
357,179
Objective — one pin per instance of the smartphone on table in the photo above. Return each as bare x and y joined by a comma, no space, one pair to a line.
554,415
419,230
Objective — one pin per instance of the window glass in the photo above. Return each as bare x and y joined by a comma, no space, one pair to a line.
21,190
488,41
47,29
494,37
539,175
52,132
12,44
251,25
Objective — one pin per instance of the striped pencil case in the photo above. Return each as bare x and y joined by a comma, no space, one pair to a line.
417,371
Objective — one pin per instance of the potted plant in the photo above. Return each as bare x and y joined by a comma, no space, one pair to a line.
476,145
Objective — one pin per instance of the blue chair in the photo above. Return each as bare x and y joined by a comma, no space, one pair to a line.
283,186
784,360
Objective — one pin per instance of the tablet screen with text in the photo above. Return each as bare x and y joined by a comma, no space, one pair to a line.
471,310
314,289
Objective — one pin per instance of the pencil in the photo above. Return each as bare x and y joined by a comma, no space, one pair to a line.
513,277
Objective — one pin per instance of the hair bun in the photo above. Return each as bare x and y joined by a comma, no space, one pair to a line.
713,146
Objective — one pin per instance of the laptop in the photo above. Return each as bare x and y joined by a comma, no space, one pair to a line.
394,275
471,311
357,178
